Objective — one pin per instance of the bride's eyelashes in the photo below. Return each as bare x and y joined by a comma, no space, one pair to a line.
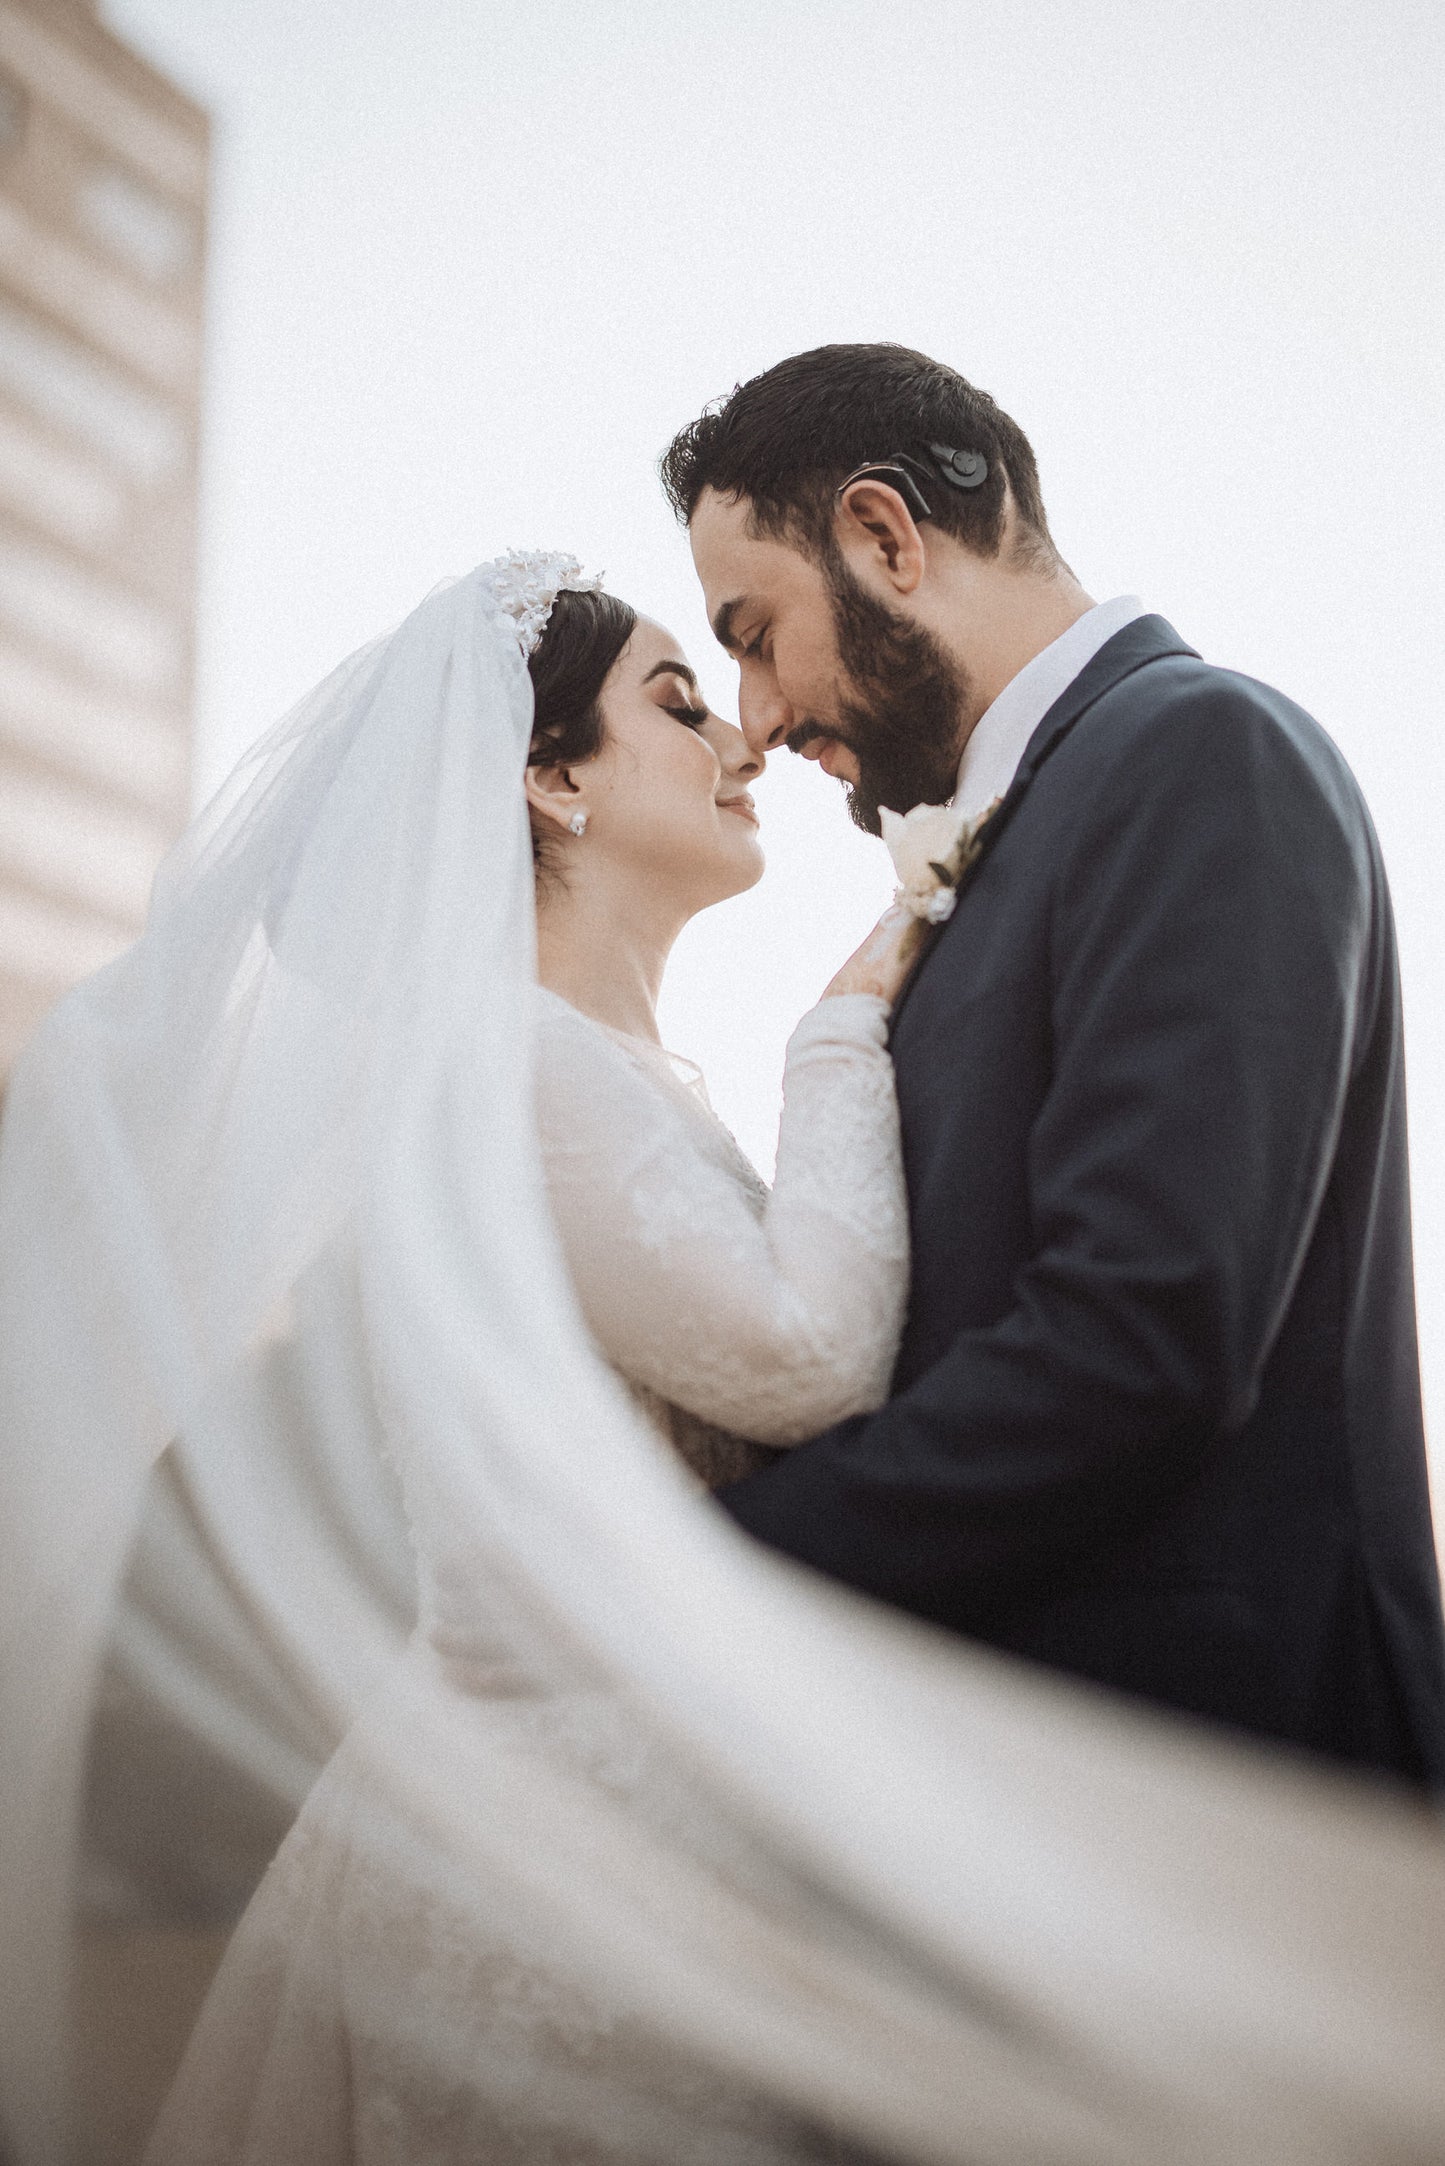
694,717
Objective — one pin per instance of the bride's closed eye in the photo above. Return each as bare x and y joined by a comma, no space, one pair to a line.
694,717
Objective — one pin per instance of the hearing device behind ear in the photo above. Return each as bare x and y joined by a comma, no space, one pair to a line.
961,469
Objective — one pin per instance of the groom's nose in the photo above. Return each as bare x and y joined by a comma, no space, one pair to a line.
765,716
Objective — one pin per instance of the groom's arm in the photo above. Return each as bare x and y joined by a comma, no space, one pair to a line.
1219,926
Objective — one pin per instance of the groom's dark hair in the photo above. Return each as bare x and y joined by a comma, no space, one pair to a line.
785,440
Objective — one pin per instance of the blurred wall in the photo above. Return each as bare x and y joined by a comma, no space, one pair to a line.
103,185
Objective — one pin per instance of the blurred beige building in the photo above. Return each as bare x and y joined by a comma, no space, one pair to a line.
103,168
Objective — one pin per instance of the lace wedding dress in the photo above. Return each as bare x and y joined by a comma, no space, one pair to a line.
359,2014
729,1313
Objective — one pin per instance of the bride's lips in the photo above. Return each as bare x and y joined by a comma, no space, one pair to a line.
743,806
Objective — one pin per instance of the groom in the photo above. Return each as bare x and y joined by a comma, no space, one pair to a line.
1156,1416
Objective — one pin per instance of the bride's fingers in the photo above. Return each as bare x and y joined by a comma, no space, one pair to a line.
894,921
883,963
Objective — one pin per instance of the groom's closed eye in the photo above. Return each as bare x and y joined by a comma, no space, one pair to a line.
723,624
727,633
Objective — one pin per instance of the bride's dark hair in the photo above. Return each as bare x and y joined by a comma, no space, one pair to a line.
568,667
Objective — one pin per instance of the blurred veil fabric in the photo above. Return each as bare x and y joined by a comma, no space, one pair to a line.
274,1174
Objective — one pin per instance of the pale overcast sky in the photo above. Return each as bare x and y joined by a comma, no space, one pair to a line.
473,263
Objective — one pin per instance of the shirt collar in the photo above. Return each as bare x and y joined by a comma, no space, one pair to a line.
1001,734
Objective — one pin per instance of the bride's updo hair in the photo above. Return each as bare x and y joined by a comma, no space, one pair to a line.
569,666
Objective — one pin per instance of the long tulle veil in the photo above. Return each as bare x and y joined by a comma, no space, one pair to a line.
986,1917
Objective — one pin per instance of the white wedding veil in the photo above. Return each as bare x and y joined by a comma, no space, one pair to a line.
273,1222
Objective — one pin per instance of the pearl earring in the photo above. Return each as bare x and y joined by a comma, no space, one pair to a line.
578,823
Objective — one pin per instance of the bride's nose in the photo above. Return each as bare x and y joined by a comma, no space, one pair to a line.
737,755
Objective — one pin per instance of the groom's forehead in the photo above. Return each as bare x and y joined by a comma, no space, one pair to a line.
720,526
739,569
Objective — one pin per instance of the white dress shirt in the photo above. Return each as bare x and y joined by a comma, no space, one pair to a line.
991,756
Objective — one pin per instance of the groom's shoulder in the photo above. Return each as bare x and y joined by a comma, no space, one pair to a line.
1181,719
1180,690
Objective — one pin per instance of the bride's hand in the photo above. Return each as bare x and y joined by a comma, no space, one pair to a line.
886,960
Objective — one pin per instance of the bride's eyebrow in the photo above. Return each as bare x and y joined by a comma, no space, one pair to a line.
671,669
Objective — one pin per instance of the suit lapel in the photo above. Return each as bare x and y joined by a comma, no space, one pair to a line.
1146,640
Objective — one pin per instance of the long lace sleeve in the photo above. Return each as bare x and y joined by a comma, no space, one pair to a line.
769,1315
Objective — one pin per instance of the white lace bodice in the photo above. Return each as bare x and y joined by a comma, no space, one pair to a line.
768,1315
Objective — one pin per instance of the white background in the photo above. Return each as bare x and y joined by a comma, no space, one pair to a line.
472,263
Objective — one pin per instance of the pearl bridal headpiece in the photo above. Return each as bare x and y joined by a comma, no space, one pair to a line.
526,583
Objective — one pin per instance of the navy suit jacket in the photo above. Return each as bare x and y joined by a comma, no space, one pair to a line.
1156,1415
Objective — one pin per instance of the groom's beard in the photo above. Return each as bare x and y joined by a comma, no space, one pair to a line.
902,713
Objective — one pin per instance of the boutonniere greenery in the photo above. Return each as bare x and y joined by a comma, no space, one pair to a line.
932,848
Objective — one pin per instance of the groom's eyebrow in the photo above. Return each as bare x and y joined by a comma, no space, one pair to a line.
671,669
722,623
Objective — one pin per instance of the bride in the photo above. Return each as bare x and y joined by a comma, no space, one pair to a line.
640,1844
736,1320
732,1315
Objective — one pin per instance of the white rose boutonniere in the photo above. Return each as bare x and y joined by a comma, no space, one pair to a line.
932,847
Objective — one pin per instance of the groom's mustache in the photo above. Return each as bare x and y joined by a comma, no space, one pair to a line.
808,733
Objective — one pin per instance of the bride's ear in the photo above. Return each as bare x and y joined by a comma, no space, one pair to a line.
554,793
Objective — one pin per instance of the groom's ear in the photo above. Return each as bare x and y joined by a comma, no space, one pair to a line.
875,528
